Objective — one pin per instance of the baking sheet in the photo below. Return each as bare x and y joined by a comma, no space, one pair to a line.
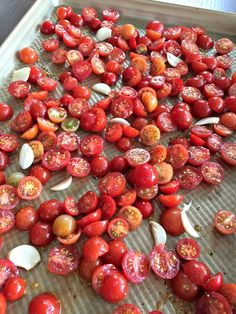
75,294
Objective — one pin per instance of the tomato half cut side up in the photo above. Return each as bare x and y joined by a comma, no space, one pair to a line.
118,228
188,249
225,222
213,303
189,177
99,275
7,270
164,262
29,188
135,266
9,198
129,308
7,220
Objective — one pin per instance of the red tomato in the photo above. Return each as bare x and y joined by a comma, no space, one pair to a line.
201,109
135,266
112,184
201,131
224,45
96,228
7,220
3,304
188,249
49,210
40,234
90,218
184,288
212,172
228,290
8,197
128,308
164,262
189,177
107,205
214,283
165,123
93,248
3,159
78,167
55,159
7,270
132,215
145,176
170,187
19,89
58,260
213,303
59,56
173,200
171,221
28,55
225,222
26,217
116,252
86,268
68,141
181,118
88,202
91,145
51,44
113,133
145,207
198,155
99,166
41,173
45,303
196,271
177,155
81,70
118,228
222,130
214,143
6,112
95,120
47,27
14,288
114,287
137,156
122,107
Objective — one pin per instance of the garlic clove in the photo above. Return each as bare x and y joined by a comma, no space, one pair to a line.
26,156
188,226
63,185
158,233
172,59
209,120
119,120
103,33
102,88
21,74
24,256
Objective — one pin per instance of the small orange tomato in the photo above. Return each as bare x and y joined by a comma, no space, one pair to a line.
71,238
158,67
28,55
40,95
149,101
146,89
150,135
57,114
31,133
38,150
132,215
140,63
165,172
46,125
127,31
158,154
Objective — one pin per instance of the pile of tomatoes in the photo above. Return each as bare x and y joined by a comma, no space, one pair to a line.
127,184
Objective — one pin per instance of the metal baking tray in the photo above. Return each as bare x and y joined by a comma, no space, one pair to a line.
219,252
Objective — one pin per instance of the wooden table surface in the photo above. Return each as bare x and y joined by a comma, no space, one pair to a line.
11,11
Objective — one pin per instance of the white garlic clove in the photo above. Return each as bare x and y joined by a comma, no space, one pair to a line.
26,156
158,233
172,59
102,88
21,74
63,185
119,120
24,256
188,226
103,33
209,120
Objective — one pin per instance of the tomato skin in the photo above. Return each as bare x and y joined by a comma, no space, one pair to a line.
130,308
213,303
135,266
40,234
114,288
6,112
3,304
86,268
112,184
145,207
40,173
181,118
49,210
225,222
26,217
99,166
171,221
228,290
116,252
45,303
197,272
14,288
47,27
96,228
28,55
70,207
171,200
214,283
184,288
132,215
118,228
88,202
170,187
93,248
145,176
188,249
90,218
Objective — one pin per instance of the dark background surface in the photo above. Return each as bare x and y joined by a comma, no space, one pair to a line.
11,11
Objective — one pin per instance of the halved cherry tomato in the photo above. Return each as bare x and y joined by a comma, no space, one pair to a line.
8,197
172,200
135,266
132,215
28,55
228,153
196,271
31,133
171,221
118,228
38,149
213,303
46,125
14,288
189,177
56,159
7,221
214,283
93,248
228,290
29,188
70,206
165,172
188,249
170,187
43,303
40,173
8,142
7,270
225,222
96,228
177,155
78,167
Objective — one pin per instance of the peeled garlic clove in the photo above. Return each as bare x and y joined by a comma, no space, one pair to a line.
103,33
158,233
62,185
210,120
24,256
172,59
186,207
102,88
26,156
188,226
119,120
21,74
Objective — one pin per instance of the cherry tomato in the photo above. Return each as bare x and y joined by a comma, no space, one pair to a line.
213,303
58,260
181,118
171,200
49,210
170,187
177,155
135,266
3,304
228,153
145,176
81,70
7,220
118,228
41,173
28,55
150,135
7,270
212,172
228,290
164,262
189,177
26,217
6,112
93,248
145,207
19,89
3,160
45,303
78,167
228,119
171,221
184,288
87,268
95,120
127,308
14,288
225,222
214,283
55,159
196,271
198,155
116,252
9,198
40,234
132,215
188,249
222,130
127,198
224,45
90,218
201,109
214,143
